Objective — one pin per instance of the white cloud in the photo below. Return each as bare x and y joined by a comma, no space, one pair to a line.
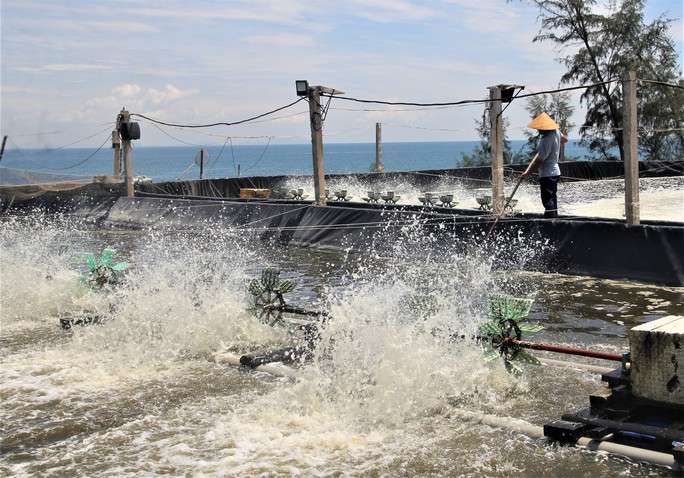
127,90
169,93
386,11
143,96
63,67
282,39
206,61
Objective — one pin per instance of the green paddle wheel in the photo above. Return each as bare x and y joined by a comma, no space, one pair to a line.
103,273
268,295
508,317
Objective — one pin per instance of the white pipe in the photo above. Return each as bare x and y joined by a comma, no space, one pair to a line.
563,363
521,426
631,452
273,370
512,424
516,425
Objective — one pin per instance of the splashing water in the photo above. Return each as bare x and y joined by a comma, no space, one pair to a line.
139,395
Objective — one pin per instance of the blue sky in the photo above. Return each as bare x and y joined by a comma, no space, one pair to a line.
69,67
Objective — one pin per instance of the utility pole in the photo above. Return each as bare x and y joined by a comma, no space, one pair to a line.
128,131
125,121
631,147
316,115
378,148
2,149
496,140
116,145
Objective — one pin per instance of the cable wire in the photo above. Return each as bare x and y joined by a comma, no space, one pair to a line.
178,125
661,83
88,158
466,102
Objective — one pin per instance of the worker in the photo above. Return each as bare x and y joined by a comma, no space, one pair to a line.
546,162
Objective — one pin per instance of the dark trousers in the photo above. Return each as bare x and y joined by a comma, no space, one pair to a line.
548,188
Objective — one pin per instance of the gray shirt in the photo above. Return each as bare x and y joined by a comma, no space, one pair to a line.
548,153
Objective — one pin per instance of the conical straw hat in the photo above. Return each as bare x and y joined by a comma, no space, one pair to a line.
543,122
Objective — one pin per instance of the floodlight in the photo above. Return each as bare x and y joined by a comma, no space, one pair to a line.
302,87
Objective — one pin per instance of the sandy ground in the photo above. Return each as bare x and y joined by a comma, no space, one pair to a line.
659,198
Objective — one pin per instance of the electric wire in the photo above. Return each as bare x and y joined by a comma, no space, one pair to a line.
661,83
48,150
172,137
465,102
85,160
262,154
211,125
47,133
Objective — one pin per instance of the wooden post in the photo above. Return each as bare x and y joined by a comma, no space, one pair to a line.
496,140
2,149
116,145
314,95
631,147
202,163
128,157
378,148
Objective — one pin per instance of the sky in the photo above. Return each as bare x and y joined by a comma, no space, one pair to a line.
69,67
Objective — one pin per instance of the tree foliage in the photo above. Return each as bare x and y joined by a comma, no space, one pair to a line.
482,153
557,106
599,49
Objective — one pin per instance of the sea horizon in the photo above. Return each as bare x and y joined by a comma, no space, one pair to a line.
167,163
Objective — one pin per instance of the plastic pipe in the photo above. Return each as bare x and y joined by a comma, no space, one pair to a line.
235,360
516,425
631,452
521,426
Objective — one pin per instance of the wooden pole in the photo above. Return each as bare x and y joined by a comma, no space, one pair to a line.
128,157
116,144
2,149
314,95
631,147
202,163
378,148
496,140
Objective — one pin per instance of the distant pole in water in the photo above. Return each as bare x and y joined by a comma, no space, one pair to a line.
2,149
378,148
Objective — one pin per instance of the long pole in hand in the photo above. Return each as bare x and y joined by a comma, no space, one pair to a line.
508,201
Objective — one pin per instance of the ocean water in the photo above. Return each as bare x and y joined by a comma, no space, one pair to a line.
170,163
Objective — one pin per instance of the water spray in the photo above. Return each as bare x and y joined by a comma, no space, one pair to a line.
502,334
102,276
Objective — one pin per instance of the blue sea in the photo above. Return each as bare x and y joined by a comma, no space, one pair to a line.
172,162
